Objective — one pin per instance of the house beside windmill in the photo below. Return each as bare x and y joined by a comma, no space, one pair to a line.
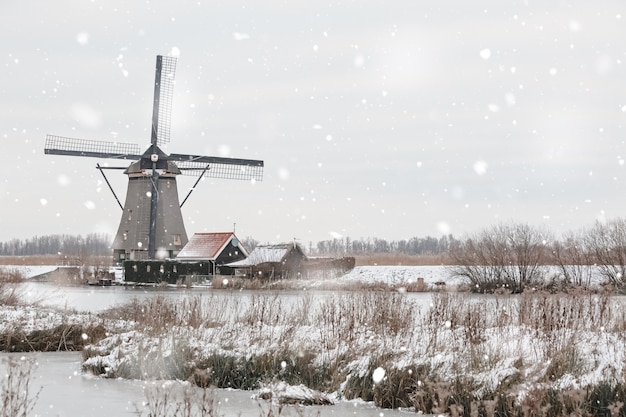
218,249
203,257
281,261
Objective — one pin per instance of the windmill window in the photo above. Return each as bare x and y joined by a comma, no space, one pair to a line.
147,268
161,269
125,235
134,268
177,240
130,215
174,268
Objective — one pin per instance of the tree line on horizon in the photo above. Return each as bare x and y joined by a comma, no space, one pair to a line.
414,246
99,244
509,255
93,244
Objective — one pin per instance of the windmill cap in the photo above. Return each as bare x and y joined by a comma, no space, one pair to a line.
139,167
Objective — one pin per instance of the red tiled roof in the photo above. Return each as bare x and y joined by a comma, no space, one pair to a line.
205,245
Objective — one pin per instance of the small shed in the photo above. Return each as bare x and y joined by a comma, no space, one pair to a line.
272,261
218,249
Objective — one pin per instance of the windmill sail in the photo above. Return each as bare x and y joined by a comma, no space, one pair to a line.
163,95
60,145
223,168
222,171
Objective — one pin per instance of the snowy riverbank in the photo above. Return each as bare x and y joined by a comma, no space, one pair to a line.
332,342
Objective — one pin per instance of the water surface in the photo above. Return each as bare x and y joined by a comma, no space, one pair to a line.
65,392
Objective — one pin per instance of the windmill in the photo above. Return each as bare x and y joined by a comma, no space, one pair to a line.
152,225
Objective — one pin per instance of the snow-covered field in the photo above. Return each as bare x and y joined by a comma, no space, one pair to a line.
432,275
401,275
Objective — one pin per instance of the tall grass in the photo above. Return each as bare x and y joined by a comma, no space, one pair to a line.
16,398
176,400
465,355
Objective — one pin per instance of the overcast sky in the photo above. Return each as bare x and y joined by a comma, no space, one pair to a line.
387,119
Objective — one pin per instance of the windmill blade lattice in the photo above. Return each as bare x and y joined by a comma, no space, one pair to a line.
225,171
60,145
163,95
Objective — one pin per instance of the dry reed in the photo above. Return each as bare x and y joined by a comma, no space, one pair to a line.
16,398
436,361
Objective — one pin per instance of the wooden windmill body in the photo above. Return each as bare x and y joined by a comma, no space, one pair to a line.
151,225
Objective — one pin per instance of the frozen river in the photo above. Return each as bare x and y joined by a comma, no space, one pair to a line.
95,299
66,392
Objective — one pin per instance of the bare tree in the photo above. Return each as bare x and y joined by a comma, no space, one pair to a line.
607,242
507,256
574,259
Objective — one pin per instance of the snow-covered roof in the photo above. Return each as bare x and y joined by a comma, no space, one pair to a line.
264,254
206,245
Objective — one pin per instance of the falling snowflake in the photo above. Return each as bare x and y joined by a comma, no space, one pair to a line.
480,167
82,38
378,375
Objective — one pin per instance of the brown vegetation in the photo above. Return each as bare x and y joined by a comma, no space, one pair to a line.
64,337
370,259
347,329
16,399
30,260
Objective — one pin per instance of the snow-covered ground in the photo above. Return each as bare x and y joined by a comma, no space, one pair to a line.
396,276
401,275
30,271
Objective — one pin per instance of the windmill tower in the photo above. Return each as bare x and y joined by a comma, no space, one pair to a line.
151,226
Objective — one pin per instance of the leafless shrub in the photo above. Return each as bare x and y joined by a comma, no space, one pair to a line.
10,275
16,398
504,256
607,242
11,293
574,259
